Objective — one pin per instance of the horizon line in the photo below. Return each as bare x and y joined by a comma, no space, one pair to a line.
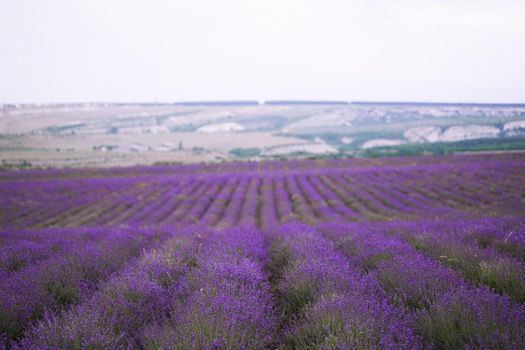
268,103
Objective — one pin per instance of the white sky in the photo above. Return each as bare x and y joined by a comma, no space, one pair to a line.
160,50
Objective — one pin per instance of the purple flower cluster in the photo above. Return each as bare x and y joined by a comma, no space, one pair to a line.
328,303
227,302
77,260
115,314
482,259
448,312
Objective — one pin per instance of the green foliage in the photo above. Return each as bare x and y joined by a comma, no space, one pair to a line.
503,276
63,292
246,152
371,262
280,256
23,164
167,163
447,328
329,331
326,333
498,273
295,299
442,148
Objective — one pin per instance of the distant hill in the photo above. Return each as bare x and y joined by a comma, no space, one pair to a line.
80,134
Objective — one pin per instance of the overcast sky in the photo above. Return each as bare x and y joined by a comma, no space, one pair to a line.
160,50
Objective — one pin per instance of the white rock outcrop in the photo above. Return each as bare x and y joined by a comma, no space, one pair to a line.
468,132
450,134
318,148
221,127
423,134
514,128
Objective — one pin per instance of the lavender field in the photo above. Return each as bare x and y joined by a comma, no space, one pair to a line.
391,253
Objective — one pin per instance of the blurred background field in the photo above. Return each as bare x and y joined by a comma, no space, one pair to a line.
128,134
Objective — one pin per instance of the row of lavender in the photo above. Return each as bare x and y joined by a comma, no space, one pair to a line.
361,194
494,161
42,270
450,307
390,285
